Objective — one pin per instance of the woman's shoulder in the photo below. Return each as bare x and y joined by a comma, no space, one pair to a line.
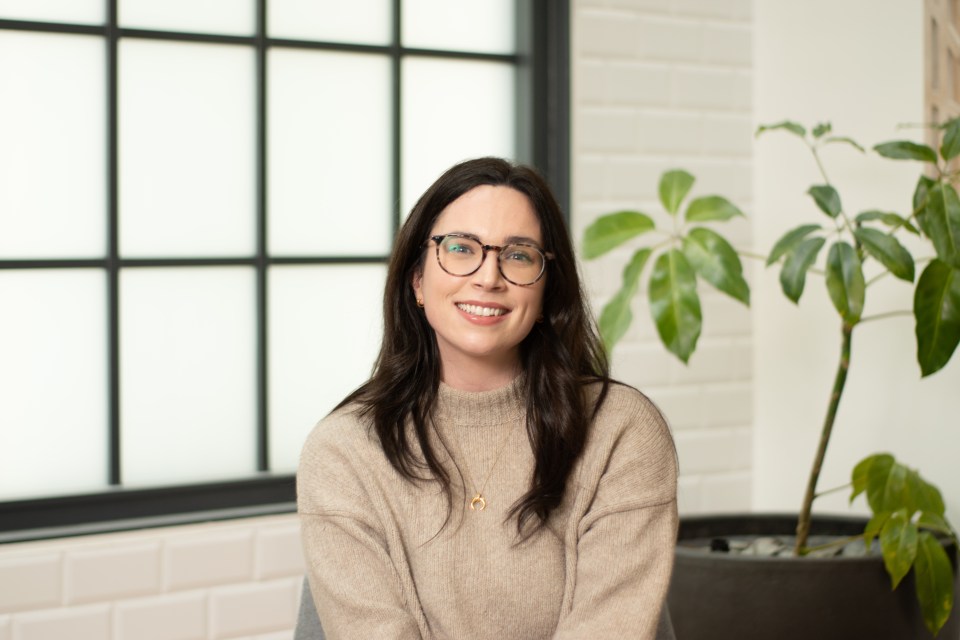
627,417
630,446
343,430
622,401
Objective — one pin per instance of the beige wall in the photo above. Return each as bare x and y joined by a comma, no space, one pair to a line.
861,67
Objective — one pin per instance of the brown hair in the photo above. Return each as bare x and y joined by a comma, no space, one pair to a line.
559,355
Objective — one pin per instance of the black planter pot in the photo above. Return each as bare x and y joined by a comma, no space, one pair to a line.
721,596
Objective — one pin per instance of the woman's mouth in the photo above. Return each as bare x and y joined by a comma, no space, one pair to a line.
477,310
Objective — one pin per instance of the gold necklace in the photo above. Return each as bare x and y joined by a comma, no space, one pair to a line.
479,503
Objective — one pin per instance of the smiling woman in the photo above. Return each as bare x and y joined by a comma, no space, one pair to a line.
489,467
478,315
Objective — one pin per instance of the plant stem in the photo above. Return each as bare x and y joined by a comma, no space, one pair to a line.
803,523
887,314
834,490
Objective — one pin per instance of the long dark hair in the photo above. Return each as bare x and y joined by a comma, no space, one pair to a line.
559,356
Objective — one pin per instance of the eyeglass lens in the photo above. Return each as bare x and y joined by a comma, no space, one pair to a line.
520,264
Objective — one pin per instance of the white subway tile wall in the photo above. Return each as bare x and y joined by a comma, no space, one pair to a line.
658,85
213,581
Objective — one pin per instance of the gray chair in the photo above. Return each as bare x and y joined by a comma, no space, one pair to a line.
308,622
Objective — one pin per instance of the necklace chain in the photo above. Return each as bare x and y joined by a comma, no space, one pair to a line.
478,502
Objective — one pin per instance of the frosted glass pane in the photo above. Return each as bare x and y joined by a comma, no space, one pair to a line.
365,21
453,110
187,133
329,153
316,356
53,382
52,146
461,25
86,11
212,16
188,371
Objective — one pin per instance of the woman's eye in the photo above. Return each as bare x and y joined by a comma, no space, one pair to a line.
459,247
520,256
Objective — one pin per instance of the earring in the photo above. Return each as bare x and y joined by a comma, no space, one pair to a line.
420,302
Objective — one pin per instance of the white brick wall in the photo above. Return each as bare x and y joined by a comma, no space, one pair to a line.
662,84
230,580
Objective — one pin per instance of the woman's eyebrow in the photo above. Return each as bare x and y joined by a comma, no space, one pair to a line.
522,240
507,240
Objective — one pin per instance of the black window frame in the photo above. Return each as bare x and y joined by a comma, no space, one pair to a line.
543,131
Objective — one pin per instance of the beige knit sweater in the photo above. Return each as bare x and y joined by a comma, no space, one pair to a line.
382,565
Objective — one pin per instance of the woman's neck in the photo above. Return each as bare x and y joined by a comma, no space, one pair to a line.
472,374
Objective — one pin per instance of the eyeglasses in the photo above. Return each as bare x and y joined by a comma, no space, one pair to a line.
462,255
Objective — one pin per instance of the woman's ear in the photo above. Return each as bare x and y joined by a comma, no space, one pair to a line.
416,281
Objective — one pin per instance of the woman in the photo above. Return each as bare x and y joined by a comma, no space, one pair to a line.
489,481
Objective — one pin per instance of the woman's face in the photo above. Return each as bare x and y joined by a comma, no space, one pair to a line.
481,319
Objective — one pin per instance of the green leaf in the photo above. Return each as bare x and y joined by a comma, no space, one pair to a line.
711,208
821,129
921,197
936,307
886,485
827,199
892,220
674,187
845,281
934,521
924,184
898,541
789,240
922,496
934,579
906,150
612,230
874,526
717,262
787,125
793,275
878,464
674,303
942,222
845,140
950,148
616,316
888,251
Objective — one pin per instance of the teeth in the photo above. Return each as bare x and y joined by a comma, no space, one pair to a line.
476,310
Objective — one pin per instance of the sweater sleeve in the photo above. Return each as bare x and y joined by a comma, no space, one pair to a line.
355,584
627,536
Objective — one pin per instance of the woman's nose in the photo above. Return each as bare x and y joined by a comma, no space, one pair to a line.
488,275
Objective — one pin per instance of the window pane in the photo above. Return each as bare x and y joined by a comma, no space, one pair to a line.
364,21
187,134
52,154
211,16
459,25
86,11
318,357
53,382
187,366
453,110
330,161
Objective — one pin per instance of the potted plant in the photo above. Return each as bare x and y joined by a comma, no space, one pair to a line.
907,512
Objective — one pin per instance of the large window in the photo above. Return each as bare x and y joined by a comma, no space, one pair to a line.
197,201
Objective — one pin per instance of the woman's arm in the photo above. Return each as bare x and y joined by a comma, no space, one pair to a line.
626,537
356,586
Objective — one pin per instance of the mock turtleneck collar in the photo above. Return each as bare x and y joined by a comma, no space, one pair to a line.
480,408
